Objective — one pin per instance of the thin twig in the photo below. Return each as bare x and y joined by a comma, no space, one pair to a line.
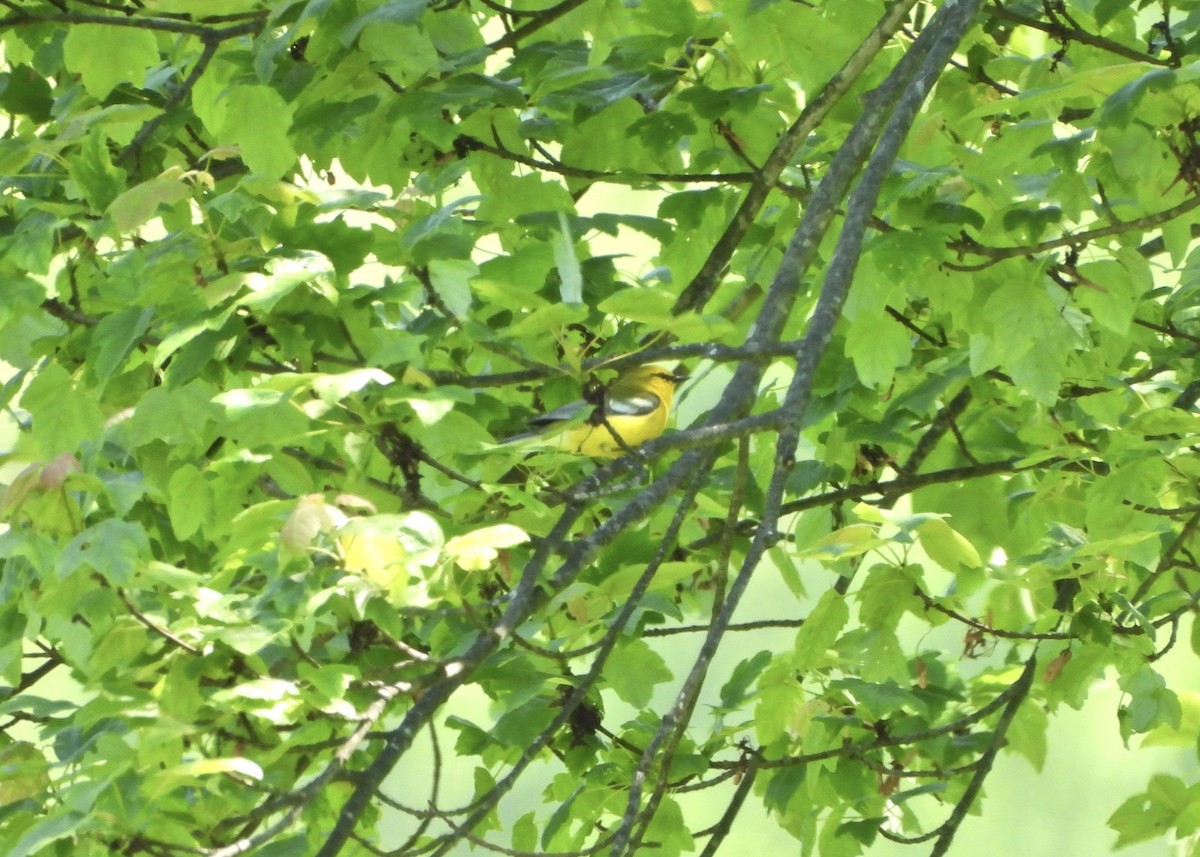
1065,33
135,145
1019,691
154,626
1078,239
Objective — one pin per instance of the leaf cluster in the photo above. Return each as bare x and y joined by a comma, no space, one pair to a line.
277,275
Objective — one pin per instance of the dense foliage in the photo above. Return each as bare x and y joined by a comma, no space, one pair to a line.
277,274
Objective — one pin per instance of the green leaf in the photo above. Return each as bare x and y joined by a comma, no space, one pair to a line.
1027,735
783,706
329,682
1150,814
50,828
736,690
946,546
783,786
569,274
852,540
668,829
113,549
1120,107
520,726
388,548
878,650
834,841
547,320
142,202
1181,735
820,630
29,94
451,279
106,56
477,550
1151,703
391,11
334,388
1109,294
257,120
885,594
877,700
633,669
640,303
811,526
23,772
204,767
192,504
524,833
1071,685
63,417
95,172
261,417
560,818
284,846
124,643
713,103
285,277
114,337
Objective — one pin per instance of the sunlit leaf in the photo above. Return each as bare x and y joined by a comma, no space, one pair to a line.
477,550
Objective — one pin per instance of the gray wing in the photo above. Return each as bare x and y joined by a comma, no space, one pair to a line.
632,406
561,414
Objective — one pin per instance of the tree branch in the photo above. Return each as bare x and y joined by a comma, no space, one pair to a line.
996,254
615,177
133,150
158,24
1020,690
1064,33
544,19
698,292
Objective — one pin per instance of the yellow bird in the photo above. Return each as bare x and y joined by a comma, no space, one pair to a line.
630,411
